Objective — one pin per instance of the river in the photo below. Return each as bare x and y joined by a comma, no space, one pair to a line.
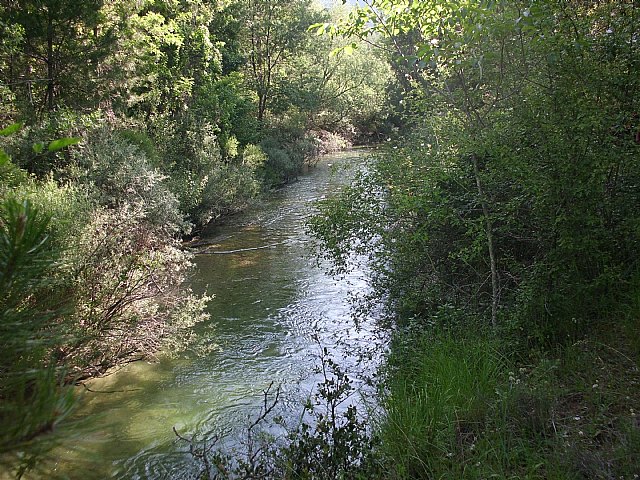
274,307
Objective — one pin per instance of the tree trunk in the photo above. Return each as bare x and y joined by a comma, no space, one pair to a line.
50,62
495,288
262,106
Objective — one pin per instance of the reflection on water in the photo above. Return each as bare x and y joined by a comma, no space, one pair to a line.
272,308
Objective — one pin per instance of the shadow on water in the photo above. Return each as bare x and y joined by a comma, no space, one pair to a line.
272,308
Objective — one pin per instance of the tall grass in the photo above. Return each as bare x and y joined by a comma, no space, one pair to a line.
455,410
439,390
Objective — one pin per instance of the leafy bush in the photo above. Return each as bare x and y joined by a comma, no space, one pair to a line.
91,276
288,146
253,157
205,184
127,277
31,149
280,167
118,173
227,189
11,176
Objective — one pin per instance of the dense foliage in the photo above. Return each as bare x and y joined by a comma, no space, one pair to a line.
499,217
512,189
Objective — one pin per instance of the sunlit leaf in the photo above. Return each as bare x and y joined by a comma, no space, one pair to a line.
318,27
336,51
13,128
38,147
63,143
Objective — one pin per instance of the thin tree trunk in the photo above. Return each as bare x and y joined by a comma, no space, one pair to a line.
50,62
495,288
262,106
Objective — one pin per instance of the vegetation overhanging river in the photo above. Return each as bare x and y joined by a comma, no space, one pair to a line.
273,309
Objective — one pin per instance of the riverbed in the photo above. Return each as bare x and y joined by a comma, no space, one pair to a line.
274,308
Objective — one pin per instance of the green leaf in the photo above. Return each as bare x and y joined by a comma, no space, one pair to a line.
13,128
4,158
62,143
320,28
38,147
424,50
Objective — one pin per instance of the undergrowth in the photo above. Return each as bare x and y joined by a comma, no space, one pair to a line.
458,406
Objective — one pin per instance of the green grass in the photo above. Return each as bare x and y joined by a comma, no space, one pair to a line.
457,407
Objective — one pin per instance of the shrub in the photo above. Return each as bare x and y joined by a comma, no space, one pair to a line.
118,173
127,280
227,189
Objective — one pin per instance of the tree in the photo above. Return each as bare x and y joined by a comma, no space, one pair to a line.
275,29
343,92
61,47
32,400
436,59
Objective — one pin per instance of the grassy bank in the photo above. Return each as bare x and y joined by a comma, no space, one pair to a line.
463,406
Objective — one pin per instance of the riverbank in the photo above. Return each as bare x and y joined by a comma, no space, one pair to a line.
323,143
467,403
462,405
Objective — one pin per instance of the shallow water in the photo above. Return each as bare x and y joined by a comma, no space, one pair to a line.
273,310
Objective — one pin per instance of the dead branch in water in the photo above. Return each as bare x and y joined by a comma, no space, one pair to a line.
239,250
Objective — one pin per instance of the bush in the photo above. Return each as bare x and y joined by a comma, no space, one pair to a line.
91,276
127,277
118,173
206,185
288,146
29,149
280,167
227,189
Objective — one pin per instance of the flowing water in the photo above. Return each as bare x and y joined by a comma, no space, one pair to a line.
273,310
